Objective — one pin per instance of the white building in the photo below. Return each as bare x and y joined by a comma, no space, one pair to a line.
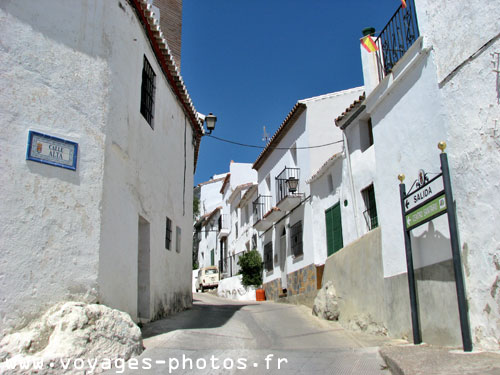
99,208
435,90
206,250
282,215
236,227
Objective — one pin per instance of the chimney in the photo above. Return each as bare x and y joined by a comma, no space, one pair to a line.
171,25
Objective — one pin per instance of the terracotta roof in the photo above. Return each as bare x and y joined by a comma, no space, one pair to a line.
211,181
248,194
294,114
351,112
226,181
324,167
239,188
271,211
165,58
206,218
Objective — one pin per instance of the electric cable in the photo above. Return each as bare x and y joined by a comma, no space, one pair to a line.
272,148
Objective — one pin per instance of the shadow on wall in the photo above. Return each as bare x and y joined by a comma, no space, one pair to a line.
56,173
430,248
71,22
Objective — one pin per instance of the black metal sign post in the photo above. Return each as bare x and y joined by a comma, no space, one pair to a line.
429,200
417,336
455,251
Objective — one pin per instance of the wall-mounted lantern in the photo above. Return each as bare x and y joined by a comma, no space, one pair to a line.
210,121
292,184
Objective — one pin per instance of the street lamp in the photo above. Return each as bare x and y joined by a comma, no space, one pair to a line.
292,184
210,121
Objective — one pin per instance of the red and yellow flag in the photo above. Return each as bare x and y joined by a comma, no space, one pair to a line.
403,3
369,44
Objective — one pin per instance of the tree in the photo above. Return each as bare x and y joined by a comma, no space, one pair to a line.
251,267
196,207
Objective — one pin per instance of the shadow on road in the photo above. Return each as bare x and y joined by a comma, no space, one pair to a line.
203,314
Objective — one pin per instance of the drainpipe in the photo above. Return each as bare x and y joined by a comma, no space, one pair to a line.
351,180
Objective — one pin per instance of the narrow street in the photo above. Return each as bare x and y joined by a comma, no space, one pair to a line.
222,336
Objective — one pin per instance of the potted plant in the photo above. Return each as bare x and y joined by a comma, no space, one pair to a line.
251,267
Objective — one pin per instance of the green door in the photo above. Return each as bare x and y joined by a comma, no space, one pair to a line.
334,241
212,258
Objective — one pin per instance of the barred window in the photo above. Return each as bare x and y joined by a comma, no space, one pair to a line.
296,238
148,92
268,256
168,233
370,212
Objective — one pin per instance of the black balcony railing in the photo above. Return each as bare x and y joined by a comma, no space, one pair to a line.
261,206
397,37
287,184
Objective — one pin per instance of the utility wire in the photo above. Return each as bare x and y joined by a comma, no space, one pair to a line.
272,148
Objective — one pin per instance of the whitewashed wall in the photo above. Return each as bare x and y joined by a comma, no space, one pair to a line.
471,91
210,196
55,80
80,79
315,126
442,90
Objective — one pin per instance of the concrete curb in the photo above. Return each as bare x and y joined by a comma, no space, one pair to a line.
426,360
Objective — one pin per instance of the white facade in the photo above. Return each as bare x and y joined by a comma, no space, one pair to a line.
438,91
206,226
237,226
308,124
74,70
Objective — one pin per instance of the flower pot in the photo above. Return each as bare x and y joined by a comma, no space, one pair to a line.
260,295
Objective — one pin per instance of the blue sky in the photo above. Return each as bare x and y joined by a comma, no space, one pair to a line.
249,62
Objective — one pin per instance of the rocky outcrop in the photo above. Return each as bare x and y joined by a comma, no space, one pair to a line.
326,303
71,338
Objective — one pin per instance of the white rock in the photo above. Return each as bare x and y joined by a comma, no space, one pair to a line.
326,303
67,332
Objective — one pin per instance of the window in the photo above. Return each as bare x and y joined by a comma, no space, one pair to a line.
168,233
296,238
365,134
370,212
268,256
236,229
178,239
334,240
148,92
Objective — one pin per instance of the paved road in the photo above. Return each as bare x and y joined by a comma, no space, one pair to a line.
219,336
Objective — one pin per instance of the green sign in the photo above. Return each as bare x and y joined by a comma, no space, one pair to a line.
427,211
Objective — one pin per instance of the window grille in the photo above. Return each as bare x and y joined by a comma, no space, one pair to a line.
268,256
370,213
168,233
148,92
296,238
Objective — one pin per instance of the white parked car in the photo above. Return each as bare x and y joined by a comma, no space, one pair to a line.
208,277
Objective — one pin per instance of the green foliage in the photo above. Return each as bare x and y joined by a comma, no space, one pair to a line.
196,207
251,267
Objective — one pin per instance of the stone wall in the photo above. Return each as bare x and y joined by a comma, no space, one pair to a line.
302,281
272,289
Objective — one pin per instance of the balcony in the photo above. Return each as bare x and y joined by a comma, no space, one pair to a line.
396,38
287,189
224,225
261,206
